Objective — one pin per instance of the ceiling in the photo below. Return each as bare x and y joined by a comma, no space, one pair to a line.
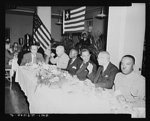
56,10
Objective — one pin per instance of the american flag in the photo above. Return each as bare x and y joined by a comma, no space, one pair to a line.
41,33
73,20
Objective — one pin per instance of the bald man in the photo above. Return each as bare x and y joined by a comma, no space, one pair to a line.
62,58
105,75
128,83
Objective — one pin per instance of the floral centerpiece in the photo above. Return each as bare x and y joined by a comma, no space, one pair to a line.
49,74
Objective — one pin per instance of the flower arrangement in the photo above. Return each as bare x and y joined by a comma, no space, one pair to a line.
49,74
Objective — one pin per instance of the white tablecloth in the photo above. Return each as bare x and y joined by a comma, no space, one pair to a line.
69,97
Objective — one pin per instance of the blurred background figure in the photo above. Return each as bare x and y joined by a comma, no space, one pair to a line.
25,46
40,49
8,54
21,42
27,43
15,49
85,40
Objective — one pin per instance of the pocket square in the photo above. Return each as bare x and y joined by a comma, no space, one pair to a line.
74,67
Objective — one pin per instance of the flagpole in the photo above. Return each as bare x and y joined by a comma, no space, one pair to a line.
63,20
35,12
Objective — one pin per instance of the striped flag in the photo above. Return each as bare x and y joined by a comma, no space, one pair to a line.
73,20
41,33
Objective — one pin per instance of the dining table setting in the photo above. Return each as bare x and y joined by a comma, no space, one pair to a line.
50,90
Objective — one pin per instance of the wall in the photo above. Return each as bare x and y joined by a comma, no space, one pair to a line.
98,25
19,25
126,31
56,29
45,16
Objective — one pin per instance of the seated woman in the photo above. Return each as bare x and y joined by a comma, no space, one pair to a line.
8,54
15,49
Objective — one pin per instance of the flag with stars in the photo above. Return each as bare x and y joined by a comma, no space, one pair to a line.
73,20
41,33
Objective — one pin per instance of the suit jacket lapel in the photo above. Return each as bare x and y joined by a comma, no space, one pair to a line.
83,67
69,62
98,74
107,69
73,62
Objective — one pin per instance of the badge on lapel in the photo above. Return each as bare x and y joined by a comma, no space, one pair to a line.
106,75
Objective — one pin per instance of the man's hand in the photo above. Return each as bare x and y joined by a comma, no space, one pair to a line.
10,62
52,55
75,76
90,67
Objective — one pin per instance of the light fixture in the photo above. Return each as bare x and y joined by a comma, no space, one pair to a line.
101,15
59,22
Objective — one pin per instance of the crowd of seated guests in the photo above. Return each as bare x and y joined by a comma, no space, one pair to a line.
106,75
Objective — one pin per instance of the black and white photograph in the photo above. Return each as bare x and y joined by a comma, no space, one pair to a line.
75,60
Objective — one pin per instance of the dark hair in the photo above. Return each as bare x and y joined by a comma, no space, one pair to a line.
15,43
6,40
130,56
84,50
75,50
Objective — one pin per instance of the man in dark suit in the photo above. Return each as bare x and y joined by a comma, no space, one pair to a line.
83,71
74,62
32,57
105,75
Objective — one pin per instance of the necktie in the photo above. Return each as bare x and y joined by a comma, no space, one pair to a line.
34,59
98,76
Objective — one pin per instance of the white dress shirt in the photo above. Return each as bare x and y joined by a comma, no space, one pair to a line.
61,61
33,58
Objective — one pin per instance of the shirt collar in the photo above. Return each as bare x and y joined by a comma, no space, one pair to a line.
33,55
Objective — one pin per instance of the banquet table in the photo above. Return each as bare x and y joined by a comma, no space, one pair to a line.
70,96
